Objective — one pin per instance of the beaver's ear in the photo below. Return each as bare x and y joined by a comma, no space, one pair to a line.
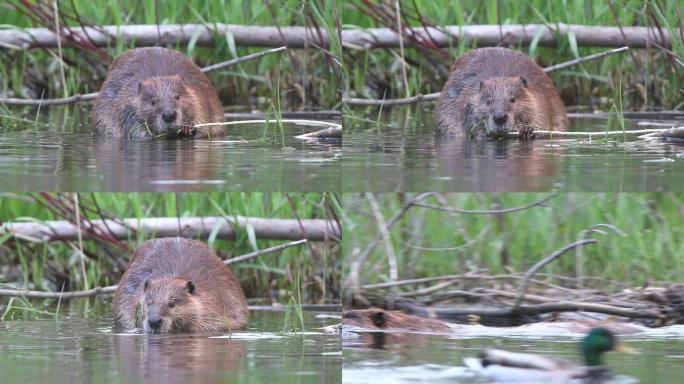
140,87
191,287
147,285
379,319
523,80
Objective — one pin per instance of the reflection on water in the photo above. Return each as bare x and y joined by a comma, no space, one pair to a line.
404,358
402,153
78,350
66,157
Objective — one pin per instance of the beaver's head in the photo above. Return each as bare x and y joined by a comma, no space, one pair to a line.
502,104
160,105
170,305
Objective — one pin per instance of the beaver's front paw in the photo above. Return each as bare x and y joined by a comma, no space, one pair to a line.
526,133
187,131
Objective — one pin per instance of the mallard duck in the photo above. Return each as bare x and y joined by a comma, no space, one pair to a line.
509,367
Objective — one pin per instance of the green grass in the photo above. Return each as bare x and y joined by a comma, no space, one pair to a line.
650,251
293,273
648,84
23,73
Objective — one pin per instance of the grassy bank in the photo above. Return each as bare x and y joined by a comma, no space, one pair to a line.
285,81
310,272
644,78
643,245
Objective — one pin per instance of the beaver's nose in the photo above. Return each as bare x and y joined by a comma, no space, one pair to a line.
500,118
154,324
169,117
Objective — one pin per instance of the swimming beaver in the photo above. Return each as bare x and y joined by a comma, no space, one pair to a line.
500,90
153,92
380,319
182,286
377,319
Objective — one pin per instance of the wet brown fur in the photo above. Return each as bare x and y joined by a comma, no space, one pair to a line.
184,284
143,83
380,319
492,81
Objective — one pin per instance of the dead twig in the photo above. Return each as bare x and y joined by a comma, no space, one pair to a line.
57,295
264,251
530,272
488,211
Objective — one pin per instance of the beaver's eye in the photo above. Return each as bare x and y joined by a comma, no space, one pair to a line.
512,99
172,304
177,97
153,103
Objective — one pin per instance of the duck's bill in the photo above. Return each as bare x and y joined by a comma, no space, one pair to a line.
626,349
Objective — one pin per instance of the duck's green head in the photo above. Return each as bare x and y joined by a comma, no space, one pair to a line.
598,341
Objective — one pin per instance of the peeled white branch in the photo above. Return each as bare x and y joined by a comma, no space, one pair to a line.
171,34
495,35
281,229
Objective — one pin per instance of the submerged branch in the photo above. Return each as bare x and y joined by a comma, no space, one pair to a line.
588,135
329,133
314,123
668,133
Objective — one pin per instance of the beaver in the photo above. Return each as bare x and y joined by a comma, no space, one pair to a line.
181,286
156,92
500,90
377,319
380,319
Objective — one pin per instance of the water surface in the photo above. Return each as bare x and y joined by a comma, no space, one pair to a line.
396,150
56,151
81,350
403,358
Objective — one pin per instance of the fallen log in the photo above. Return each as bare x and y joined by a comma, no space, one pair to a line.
503,35
283,229
169,34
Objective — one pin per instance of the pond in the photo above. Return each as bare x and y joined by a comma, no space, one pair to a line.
402,358
396,150
77,349
56,151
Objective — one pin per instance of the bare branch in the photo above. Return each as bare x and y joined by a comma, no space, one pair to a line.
285,229
57,295
530,272
264,251
490,211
